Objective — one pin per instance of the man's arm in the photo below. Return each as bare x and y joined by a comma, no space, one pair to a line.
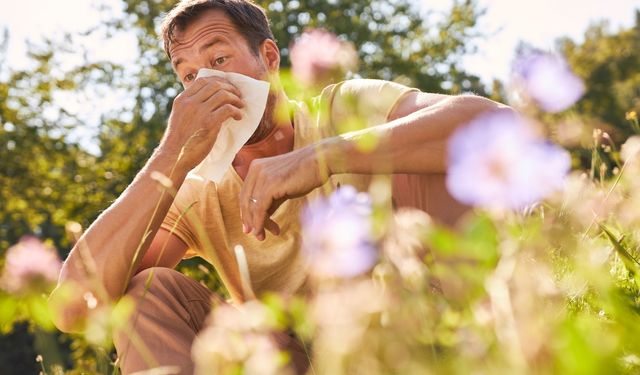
110,251
166,250
413,141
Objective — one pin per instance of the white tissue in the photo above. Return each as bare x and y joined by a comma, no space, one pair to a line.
234,134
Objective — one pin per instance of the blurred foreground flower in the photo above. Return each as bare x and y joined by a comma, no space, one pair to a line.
336,234
548,80
30,265
630,149
238,340
318,56
498,162
405,249
343,317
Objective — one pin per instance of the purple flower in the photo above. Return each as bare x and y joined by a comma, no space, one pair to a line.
318,55
336,234
548,80
497,161
30,265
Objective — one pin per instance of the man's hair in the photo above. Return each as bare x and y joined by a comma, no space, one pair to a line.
249,19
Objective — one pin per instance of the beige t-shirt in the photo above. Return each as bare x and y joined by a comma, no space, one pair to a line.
206,215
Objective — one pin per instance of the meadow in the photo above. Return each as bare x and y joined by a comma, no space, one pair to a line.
541,276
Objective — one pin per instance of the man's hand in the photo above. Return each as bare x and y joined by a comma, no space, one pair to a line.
196,117
271,181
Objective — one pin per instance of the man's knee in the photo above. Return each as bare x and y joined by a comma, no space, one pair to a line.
161,291
152,280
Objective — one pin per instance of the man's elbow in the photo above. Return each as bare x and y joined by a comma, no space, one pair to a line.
69,308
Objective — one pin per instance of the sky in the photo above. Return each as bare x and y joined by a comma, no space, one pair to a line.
539,22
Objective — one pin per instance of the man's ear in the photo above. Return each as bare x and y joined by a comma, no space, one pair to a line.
270,54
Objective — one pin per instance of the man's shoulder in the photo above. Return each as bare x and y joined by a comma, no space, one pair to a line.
351,88
356,85
193,188
352,91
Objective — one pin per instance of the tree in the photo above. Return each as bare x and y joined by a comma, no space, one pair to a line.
393,38
608,63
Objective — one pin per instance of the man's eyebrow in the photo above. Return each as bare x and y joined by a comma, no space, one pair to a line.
210,43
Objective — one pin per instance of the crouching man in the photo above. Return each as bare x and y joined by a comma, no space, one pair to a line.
134,245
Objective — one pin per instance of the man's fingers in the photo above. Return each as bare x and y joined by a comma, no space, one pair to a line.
222,97
211,86
269,223
228,111
202,88
258,213
257,203
196,86
272,226
275,205
245,200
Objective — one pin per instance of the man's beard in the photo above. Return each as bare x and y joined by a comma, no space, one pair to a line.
267,122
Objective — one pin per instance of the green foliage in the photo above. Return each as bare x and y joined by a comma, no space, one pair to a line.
41,173
608,62
395,41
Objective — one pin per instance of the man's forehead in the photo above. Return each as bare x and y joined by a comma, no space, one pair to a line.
209,23
206,33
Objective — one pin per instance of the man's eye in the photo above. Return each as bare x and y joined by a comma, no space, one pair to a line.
220,60
189,77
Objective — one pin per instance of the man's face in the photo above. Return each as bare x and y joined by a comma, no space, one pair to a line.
212,41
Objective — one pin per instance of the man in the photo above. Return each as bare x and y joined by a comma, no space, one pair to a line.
133,246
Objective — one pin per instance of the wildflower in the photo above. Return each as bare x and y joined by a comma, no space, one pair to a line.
548,80
30,265
404,246
343,315
630,149
631,116
497,161
238,338
337,234
318,55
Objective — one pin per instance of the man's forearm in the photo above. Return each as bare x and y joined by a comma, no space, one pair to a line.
416,143
107,253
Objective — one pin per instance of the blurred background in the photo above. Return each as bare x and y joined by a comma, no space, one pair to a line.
85,91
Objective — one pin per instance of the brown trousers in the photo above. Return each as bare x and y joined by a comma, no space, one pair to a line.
167,318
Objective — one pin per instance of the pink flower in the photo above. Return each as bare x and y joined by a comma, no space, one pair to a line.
497,161
30,265
548,80
318,56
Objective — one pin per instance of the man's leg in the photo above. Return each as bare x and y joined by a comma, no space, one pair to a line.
170,310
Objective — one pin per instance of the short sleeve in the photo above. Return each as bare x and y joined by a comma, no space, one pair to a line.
180,215
360,103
